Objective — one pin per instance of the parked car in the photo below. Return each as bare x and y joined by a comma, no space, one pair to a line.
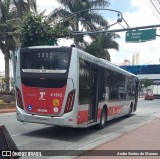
149,95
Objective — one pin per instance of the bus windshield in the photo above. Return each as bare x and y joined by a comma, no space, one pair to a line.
34,61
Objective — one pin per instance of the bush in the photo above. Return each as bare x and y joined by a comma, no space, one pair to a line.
2,102
7,97
7,93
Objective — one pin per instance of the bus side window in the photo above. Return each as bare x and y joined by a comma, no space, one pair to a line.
102,92
107,84
130,87
84,84
117,86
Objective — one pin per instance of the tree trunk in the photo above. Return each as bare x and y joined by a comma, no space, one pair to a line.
13,59
76,40
7,86
108,57
19,8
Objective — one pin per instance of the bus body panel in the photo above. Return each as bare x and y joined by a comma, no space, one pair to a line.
51,109
44,101
57,98
64,120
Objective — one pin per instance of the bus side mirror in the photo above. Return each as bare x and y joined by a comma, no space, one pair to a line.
6,144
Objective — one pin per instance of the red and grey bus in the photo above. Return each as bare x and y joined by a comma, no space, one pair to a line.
68,87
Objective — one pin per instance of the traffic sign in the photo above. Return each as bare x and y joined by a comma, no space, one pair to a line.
140,35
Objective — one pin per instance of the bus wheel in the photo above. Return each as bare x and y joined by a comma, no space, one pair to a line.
130,111
103,119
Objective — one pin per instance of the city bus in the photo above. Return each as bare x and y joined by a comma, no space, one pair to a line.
66,86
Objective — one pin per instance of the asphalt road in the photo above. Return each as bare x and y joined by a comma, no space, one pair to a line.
47,137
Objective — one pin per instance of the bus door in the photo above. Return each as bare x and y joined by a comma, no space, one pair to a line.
93,105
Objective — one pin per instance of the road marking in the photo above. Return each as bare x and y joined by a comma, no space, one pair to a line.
16,134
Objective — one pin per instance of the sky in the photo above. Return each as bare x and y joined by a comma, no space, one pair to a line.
136,13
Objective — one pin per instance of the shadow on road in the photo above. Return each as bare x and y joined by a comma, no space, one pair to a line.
70,134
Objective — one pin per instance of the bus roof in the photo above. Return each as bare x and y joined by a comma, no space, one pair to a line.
44,47
106,64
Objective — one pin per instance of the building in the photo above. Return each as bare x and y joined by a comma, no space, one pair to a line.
145,71
135,59
126,62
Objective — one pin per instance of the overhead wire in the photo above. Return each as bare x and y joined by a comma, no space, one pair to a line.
158,1
155,7
153,10
157,4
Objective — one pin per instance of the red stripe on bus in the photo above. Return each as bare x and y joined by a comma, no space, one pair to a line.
82,117
99,113
114,110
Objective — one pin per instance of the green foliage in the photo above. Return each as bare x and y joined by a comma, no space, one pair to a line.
89,20
33,31
3,80
2,102
96,50
146,82
11,12
7,19
12,81
36,30
100,46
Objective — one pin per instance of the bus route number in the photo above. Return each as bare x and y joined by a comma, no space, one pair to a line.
56,95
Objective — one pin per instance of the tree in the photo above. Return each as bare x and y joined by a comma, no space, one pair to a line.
99,47
7,42
23,6
87,20
9,15
34,30
146,82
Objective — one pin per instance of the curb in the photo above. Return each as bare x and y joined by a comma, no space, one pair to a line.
7,110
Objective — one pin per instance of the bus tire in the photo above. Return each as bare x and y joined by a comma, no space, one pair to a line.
103,119
130,111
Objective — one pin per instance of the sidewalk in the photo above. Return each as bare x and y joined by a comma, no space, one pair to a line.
7,108
146,137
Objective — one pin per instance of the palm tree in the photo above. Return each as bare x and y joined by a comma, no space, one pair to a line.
88,20
9,15
6,40
22,7
100,46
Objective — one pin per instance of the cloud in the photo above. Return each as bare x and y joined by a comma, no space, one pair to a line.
149,51
47,5
143,16
138,14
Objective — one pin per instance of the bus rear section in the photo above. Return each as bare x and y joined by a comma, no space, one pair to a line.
44,88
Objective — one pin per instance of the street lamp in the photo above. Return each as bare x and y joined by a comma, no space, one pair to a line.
119,20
